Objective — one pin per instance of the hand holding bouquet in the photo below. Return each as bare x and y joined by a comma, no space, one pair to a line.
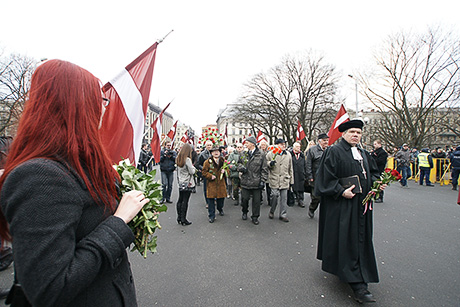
144,224
388,176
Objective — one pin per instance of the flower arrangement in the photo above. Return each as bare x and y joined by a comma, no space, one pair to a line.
388,176
275,150
144,224
225,168
213,135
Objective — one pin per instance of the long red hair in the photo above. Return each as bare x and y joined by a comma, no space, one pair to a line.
61,120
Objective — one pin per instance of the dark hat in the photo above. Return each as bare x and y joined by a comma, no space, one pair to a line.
279,141
214,148
252,140
355,123
322,136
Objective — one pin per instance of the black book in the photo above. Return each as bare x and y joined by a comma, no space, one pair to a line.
349,181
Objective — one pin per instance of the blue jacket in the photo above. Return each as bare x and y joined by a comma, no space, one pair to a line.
455,158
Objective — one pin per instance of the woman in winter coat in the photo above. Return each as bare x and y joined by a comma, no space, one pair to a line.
59,196
185,172
216,188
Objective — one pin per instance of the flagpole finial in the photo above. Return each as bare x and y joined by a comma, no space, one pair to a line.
161,40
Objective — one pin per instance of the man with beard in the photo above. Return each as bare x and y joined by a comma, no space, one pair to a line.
345,226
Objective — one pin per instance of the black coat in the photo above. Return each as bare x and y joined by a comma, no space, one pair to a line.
299,167
380,156
67,251
345,234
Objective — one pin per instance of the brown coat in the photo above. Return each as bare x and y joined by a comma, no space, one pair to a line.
216,188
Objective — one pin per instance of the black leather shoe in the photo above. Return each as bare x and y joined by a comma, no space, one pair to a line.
211,220
311,214
378,201
186,223
363,296
284,219
4,293
270,215
168,201
221,212
255,221
244,216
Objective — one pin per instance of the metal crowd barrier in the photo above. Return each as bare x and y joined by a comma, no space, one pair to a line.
440,173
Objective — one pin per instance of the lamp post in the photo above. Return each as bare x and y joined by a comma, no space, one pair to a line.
356,92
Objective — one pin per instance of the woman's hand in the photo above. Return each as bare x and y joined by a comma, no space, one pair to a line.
131,203
213,177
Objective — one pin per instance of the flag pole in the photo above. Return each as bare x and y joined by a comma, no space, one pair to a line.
161,40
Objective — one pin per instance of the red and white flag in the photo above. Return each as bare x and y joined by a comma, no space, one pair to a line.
156,137
342,116
123,124
300,134
185,138
226,135
260,137
172,133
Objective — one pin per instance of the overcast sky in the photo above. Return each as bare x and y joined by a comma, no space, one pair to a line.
215,47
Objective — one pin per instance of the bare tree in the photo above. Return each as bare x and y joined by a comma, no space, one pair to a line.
15,74
416,75
302,88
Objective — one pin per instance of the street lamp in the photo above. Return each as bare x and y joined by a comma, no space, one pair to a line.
356,91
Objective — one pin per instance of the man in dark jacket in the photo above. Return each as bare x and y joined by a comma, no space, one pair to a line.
455,163
403,160
167,168
254,171
380,156
299,169
345,226
143,158
313,159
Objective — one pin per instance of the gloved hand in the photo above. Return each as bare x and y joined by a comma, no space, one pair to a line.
272,163
261,185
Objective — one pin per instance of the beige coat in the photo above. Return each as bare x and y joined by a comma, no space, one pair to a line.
280,176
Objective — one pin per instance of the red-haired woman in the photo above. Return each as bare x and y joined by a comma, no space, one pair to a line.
59,196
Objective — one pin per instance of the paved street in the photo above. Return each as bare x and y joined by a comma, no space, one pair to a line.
235,263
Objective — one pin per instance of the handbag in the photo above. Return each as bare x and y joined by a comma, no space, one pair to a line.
186,187
306,186
16,297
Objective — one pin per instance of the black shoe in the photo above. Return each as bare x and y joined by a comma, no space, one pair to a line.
284,219
255,221
185,223
236,203
363,296
168,201
4,293
378,201
221,212
270,215
454,188
301,205
244,216
211,220
311,214
162,201
430,185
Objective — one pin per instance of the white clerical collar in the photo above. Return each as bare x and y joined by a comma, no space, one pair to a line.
356,154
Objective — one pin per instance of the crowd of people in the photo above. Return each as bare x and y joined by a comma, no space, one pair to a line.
62,212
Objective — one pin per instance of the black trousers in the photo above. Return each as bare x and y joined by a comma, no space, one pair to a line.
182,205
256,200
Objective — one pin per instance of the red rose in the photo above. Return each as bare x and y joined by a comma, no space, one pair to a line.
395,173
388,170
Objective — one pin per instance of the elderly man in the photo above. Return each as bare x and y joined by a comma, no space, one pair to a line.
254,171
313,158
345,226
299,171
280,178
233,159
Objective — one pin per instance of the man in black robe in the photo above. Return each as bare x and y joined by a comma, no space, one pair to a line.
345,228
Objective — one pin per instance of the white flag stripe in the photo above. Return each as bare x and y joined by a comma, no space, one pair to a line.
342,118
131,99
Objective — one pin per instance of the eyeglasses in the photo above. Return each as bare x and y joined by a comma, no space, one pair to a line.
105,102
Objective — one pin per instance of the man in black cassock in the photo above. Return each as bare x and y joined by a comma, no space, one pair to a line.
345,231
